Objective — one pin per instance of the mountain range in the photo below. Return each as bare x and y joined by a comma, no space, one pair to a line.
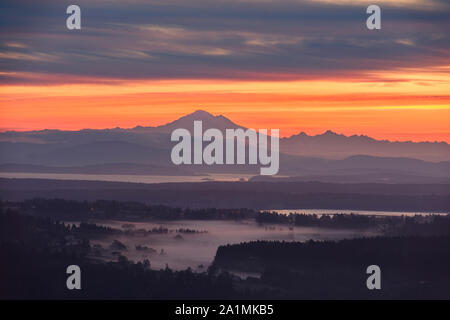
146,150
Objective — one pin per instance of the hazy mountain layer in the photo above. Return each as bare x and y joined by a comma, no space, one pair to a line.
146,150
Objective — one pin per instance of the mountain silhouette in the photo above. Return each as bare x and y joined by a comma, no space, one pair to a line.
149,147
208,121
338,146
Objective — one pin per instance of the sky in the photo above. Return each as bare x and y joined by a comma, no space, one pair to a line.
292,65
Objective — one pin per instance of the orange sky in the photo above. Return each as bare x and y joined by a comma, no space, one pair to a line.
413,107
296,66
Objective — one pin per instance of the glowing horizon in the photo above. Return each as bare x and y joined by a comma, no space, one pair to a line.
310,66
405,110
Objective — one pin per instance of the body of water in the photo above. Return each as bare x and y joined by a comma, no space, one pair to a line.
126,177
362,212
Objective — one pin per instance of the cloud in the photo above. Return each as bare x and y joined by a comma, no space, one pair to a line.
33,56
234,39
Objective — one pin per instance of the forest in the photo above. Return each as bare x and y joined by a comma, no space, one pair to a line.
36,248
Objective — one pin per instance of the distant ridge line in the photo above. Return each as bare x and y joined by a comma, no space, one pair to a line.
209,116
